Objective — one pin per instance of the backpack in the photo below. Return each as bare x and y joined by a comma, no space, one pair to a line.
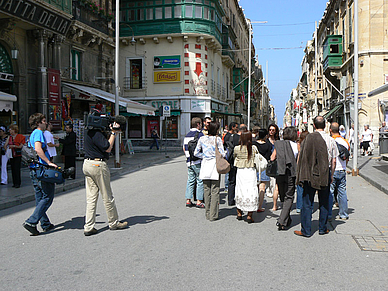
343,152
191,145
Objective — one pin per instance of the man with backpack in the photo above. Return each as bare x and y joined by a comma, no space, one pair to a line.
194,183
339,178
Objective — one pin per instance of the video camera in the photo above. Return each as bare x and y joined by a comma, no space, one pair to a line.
97,120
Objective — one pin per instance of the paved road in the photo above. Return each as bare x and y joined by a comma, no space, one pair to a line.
168,247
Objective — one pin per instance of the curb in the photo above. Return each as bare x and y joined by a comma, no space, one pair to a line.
373,183
63,188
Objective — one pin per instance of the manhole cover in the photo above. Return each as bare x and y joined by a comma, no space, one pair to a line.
372,243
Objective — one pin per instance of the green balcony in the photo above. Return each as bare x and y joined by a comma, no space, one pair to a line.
332,52
64,5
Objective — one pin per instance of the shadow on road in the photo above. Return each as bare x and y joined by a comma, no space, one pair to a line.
133,220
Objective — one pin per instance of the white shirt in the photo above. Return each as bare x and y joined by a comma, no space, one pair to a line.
367,135
341,164
351,135
294,147
50,139
332,149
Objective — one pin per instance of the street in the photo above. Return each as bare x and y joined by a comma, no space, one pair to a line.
169,247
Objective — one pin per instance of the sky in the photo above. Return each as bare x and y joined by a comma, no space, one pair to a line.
290,24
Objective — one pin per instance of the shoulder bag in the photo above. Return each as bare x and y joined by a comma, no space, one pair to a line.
222,165
272,169
260,162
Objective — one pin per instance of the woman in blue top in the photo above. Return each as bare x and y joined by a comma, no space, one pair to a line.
205,150
44,192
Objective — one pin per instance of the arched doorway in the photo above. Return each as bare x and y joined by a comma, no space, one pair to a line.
6,87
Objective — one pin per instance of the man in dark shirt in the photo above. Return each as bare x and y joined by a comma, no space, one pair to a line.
97,175
69,149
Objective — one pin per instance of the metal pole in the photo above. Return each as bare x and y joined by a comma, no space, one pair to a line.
249,72
355,155
316,70
117,109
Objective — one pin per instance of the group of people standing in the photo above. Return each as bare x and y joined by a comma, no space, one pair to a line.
307,162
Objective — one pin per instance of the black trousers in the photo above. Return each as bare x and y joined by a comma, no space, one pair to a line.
15,169
232,185
70,162
286,186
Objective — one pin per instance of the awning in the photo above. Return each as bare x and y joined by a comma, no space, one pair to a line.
6,101
132,106
331,112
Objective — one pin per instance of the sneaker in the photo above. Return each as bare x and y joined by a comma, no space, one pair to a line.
269,195
343,218
120,225
200,205
90,232
190,204
32,229
298,210
50,227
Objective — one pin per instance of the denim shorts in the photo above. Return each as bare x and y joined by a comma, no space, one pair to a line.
263,176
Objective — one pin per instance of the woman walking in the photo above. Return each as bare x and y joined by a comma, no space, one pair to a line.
205,150
265,149
4,159
247,196
15,142
285,153
273,136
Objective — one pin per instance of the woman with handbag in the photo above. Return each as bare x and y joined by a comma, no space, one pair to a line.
265,149
285,153
4,158
247,195
206,150
15,142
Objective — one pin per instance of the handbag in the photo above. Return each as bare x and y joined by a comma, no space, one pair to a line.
260,162
222,165
272,169
50,175
8,153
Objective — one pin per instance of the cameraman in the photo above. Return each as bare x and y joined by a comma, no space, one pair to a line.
44,191
97,178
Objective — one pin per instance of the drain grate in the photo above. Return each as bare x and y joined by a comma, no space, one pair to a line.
372,243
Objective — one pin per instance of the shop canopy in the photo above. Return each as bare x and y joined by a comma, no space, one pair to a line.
132,106
6,101
333,111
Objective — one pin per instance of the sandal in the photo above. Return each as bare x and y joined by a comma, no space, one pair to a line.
250,220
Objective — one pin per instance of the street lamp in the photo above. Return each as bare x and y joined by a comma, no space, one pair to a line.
117,108
250,68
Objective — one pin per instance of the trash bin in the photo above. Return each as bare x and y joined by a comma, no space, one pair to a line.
383,143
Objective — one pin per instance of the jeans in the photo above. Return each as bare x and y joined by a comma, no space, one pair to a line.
308,206
44,196
155,142
339,182
299,197
232,185
193,181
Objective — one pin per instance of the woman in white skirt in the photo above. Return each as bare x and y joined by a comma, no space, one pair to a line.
247,195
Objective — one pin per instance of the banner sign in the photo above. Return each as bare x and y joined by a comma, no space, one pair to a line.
36,14
167,62
167,76
54,89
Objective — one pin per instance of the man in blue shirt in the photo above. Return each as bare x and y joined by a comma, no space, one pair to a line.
44,191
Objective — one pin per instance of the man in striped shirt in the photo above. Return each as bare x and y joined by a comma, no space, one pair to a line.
193,166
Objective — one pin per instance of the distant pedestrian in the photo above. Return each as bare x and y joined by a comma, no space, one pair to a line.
339,177
342,131
367,137
155,137
4,158
384,127
316,164
69,149
15,142
247,196
273,191
206,122
44,191
285,153
351,139
194,183
51,145
211,179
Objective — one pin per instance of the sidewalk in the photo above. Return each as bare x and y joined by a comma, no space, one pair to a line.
142,158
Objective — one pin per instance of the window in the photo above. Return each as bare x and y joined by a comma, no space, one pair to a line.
140,14
134,74
206,13
350,25
152,123
212,15
134,131
189,11
76,59
158,13
167,1
150,14
178,11
198,11
131,15
167,12
159,2
172,127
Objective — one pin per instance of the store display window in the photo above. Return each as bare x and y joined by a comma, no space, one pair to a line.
172,127
134,127
152,123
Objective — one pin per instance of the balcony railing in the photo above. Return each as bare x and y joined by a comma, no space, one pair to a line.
224,93
85,13
218,89
213,86
134,83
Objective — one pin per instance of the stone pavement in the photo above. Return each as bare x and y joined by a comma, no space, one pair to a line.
10,196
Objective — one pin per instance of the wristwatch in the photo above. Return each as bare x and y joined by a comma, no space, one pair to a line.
113,133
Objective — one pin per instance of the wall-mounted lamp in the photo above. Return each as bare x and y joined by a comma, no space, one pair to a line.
14,51
361,63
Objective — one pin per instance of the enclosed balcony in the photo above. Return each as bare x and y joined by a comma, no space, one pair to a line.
92,15
332,52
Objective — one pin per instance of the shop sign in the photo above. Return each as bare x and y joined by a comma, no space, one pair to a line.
36,14
167,62
198,105
166,76
54,85
174,104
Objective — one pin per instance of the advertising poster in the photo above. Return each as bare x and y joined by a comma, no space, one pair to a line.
54,89
167,62
167,76
152,124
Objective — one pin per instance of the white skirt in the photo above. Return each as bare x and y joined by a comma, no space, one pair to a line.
247,194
